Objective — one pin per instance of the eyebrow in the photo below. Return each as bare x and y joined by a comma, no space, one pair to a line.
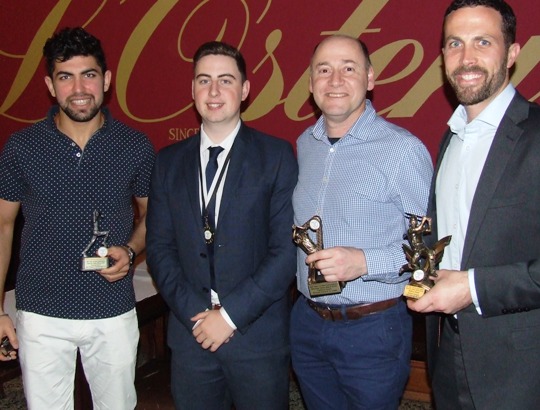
89,70
219,76
347,61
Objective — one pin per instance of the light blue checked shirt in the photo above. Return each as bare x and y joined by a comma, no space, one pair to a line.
361,187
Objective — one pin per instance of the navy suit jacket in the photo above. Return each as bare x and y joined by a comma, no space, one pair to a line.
501,347
255,259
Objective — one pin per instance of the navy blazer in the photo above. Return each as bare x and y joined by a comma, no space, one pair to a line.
255,258
501,348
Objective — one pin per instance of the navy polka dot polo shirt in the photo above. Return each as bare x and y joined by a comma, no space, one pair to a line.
59,187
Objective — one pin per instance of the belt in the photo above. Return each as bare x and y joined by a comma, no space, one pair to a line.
453,322
353,312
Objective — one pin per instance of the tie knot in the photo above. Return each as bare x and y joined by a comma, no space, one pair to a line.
214,152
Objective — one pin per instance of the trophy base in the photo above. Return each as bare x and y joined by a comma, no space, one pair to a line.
92,263
324,288
415,290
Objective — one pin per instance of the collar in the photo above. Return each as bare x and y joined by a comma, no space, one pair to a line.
226,144
491,116
53,111
358,129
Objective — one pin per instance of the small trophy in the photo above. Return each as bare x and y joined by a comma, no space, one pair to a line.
92,263
317,284
421,260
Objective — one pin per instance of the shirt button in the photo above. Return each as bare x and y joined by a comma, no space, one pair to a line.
72,144
78,154
332,149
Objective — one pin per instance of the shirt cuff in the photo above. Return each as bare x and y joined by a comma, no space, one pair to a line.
472,287
227,318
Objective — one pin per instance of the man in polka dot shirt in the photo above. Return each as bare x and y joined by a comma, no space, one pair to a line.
63,172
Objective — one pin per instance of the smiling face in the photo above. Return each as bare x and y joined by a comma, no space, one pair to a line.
340,78
79,87
476,58
218,93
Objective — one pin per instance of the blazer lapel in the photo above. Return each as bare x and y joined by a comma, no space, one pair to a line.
499,154
191,181
237,166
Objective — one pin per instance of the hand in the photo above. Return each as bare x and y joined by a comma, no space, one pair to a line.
339,263
212,330
450,294
7,329
121,266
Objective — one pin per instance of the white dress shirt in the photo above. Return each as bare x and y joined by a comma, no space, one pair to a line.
226,144
459,174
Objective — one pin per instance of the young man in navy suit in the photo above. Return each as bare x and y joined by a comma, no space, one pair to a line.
484,351
220,247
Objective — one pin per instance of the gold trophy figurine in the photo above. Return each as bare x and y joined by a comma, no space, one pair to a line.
422,261
317,284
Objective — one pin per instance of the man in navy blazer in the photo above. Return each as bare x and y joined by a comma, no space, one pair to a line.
484,352
221,250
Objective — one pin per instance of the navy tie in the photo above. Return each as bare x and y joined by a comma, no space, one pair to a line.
210,173
212,166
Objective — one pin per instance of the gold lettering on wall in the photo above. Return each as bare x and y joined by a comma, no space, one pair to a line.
273,93
32,59
355,25
177,134
132,50
270,95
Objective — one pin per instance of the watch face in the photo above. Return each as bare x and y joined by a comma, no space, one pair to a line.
418,275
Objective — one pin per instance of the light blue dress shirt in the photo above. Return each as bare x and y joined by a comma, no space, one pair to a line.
361,187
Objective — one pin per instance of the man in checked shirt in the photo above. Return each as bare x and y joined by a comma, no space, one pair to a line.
360,174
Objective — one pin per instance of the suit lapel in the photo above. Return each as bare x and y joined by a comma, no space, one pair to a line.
237,164
191,181
501,151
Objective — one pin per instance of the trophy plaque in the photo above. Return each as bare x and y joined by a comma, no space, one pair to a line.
317,284
422,261
93,263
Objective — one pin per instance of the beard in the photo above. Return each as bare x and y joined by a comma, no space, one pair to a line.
80,116
474,95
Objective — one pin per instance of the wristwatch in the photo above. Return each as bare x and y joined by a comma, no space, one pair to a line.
131,253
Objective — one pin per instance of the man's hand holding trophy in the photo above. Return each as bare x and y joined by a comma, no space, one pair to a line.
317,284
422,261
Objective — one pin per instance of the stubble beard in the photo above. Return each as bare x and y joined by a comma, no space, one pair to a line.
471,95
81,116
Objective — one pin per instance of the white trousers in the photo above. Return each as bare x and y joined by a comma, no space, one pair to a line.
48,351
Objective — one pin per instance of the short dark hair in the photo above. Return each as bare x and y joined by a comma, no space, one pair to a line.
72,42
221,49
509,20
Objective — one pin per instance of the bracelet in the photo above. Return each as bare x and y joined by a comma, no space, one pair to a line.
131,253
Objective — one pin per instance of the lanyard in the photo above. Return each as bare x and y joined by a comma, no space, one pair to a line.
209,230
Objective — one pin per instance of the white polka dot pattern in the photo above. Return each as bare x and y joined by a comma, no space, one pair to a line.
59,186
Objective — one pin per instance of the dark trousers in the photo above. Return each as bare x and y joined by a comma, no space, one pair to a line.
450,386
351,364
238,373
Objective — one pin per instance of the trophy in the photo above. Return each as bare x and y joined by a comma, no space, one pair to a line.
317,284
421,260
92,263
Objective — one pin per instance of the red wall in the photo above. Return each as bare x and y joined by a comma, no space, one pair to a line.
149,45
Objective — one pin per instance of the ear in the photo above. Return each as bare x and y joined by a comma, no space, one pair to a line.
245,90
107,80
311,84
50,85
193,89
371,79
513,52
